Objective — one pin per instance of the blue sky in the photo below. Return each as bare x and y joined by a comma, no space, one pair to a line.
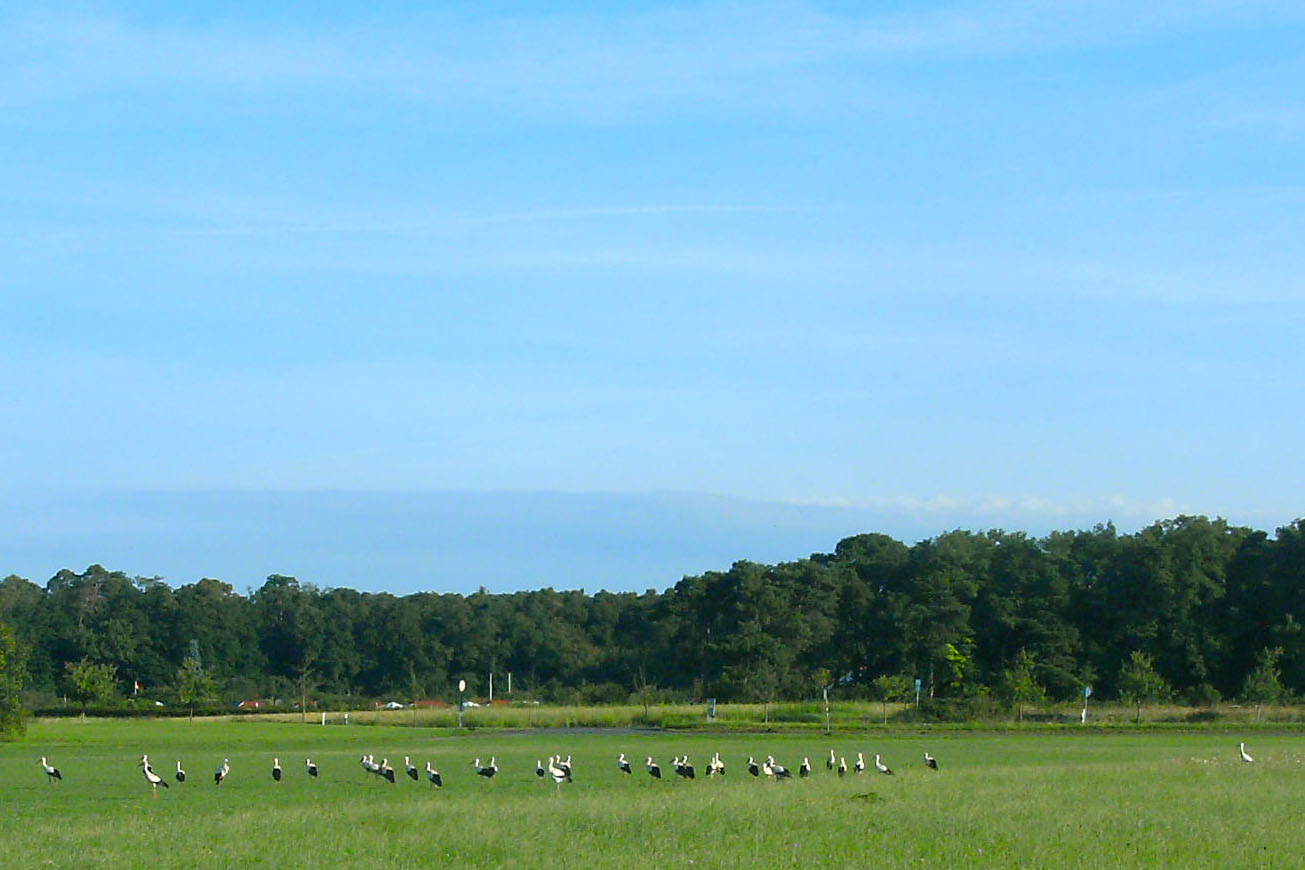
1023,265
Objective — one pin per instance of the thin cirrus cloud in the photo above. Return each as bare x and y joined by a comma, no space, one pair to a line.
704,55
1005,508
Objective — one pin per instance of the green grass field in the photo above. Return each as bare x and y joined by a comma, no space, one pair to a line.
1038,800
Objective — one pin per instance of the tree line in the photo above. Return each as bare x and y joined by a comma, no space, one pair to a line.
1190,608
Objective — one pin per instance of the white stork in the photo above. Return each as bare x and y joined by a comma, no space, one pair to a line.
777,770
434,776
753,767
180,774
411,769
831,762
684,768
930,762
623,765
310,767
51,773
804,769
859,767
487,771
1241,748
715,767
221,773
151,777
276,769
881,767
386,771
842,766
654,769
559,774
369,764
539,769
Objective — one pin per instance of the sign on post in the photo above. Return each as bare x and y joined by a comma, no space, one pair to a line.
711,708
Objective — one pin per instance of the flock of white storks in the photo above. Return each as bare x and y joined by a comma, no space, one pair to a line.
556,768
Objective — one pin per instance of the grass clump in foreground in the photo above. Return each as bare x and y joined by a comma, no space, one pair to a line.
1036,800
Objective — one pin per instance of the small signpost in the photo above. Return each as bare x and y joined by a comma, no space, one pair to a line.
711,709
462,701
1087,692
918,685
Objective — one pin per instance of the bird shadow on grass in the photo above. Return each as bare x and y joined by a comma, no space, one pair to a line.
869,797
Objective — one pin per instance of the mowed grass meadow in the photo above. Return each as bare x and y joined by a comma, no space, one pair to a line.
1005,800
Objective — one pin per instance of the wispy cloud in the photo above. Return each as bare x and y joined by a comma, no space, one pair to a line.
435,223
604,64
1003,508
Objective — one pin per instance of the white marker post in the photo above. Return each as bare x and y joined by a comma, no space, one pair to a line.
1087,692
462,702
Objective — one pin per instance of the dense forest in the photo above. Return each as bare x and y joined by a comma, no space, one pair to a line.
1206,609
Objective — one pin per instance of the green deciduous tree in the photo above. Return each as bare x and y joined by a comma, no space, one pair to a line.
644,691
890,688
1020,683
1264,684
194,685
306,682
89,681
1139,681
13,672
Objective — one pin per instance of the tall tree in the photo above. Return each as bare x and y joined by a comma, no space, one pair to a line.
939,635
13,672
290,625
